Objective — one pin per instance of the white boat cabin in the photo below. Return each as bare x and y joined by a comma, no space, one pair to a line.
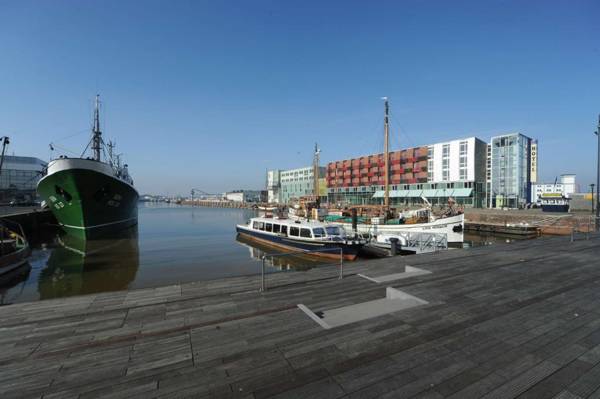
297,229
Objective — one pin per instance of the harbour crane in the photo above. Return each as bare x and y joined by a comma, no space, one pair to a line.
5,141
195,191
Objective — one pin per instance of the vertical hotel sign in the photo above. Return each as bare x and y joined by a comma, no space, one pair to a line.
534,160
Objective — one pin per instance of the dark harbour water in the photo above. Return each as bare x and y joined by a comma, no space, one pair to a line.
171,244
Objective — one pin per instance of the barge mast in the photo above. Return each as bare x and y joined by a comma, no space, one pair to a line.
386,151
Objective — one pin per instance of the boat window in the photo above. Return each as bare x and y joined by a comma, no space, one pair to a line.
305,233
269,227
294,231
261,225
255,225
319,232
276,228
332,230
284,230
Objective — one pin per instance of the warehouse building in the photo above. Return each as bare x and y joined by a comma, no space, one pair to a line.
19,177
439,171
245,196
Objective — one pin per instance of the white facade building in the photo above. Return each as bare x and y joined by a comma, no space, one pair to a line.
457,160
274,186
567,187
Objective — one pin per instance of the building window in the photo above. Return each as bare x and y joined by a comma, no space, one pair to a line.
430,154
463,160
446,162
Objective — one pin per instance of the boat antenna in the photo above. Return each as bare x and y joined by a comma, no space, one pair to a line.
97,138
386,151
5,142
316,173
111,145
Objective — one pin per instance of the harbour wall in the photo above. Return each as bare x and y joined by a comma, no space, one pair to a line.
222,204
547,223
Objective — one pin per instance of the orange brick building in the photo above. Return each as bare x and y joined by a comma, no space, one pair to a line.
406,167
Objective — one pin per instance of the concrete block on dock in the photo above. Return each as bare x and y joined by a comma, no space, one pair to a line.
409,271
394,301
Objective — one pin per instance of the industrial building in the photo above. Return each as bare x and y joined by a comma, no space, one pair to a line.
285,185
19,177
439,171
245,196
565,185
511,169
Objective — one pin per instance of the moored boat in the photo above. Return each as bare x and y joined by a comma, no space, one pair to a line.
452,226
554,202
90,197
294,235
392,221
14,247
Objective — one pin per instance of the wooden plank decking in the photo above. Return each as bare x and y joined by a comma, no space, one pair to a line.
515,320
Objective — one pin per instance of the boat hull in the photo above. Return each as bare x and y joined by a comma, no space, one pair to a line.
88,203
350,251
14,260
555,208
452,226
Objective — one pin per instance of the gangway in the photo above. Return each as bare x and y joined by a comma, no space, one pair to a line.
425,242
415,242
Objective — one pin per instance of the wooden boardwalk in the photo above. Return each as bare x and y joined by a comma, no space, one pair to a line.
515,320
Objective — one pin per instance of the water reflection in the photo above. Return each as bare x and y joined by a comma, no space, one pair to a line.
175,244
279,263
478,239
15,279
77,267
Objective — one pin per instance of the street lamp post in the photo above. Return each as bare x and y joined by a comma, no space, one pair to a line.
592,187
597,132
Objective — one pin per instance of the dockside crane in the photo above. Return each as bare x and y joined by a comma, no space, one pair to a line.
201,192
5,141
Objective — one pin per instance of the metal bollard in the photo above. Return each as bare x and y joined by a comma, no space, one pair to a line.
572,234
393,246
341,263
262,275
587,233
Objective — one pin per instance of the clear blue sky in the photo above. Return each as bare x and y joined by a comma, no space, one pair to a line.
209,94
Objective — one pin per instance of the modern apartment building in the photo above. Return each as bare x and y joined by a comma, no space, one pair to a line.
511,169
285,185
439,171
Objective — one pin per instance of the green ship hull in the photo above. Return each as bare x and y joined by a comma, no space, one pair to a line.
89,204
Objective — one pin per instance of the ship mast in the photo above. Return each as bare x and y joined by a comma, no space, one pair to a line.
97,137
386,151
316,172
